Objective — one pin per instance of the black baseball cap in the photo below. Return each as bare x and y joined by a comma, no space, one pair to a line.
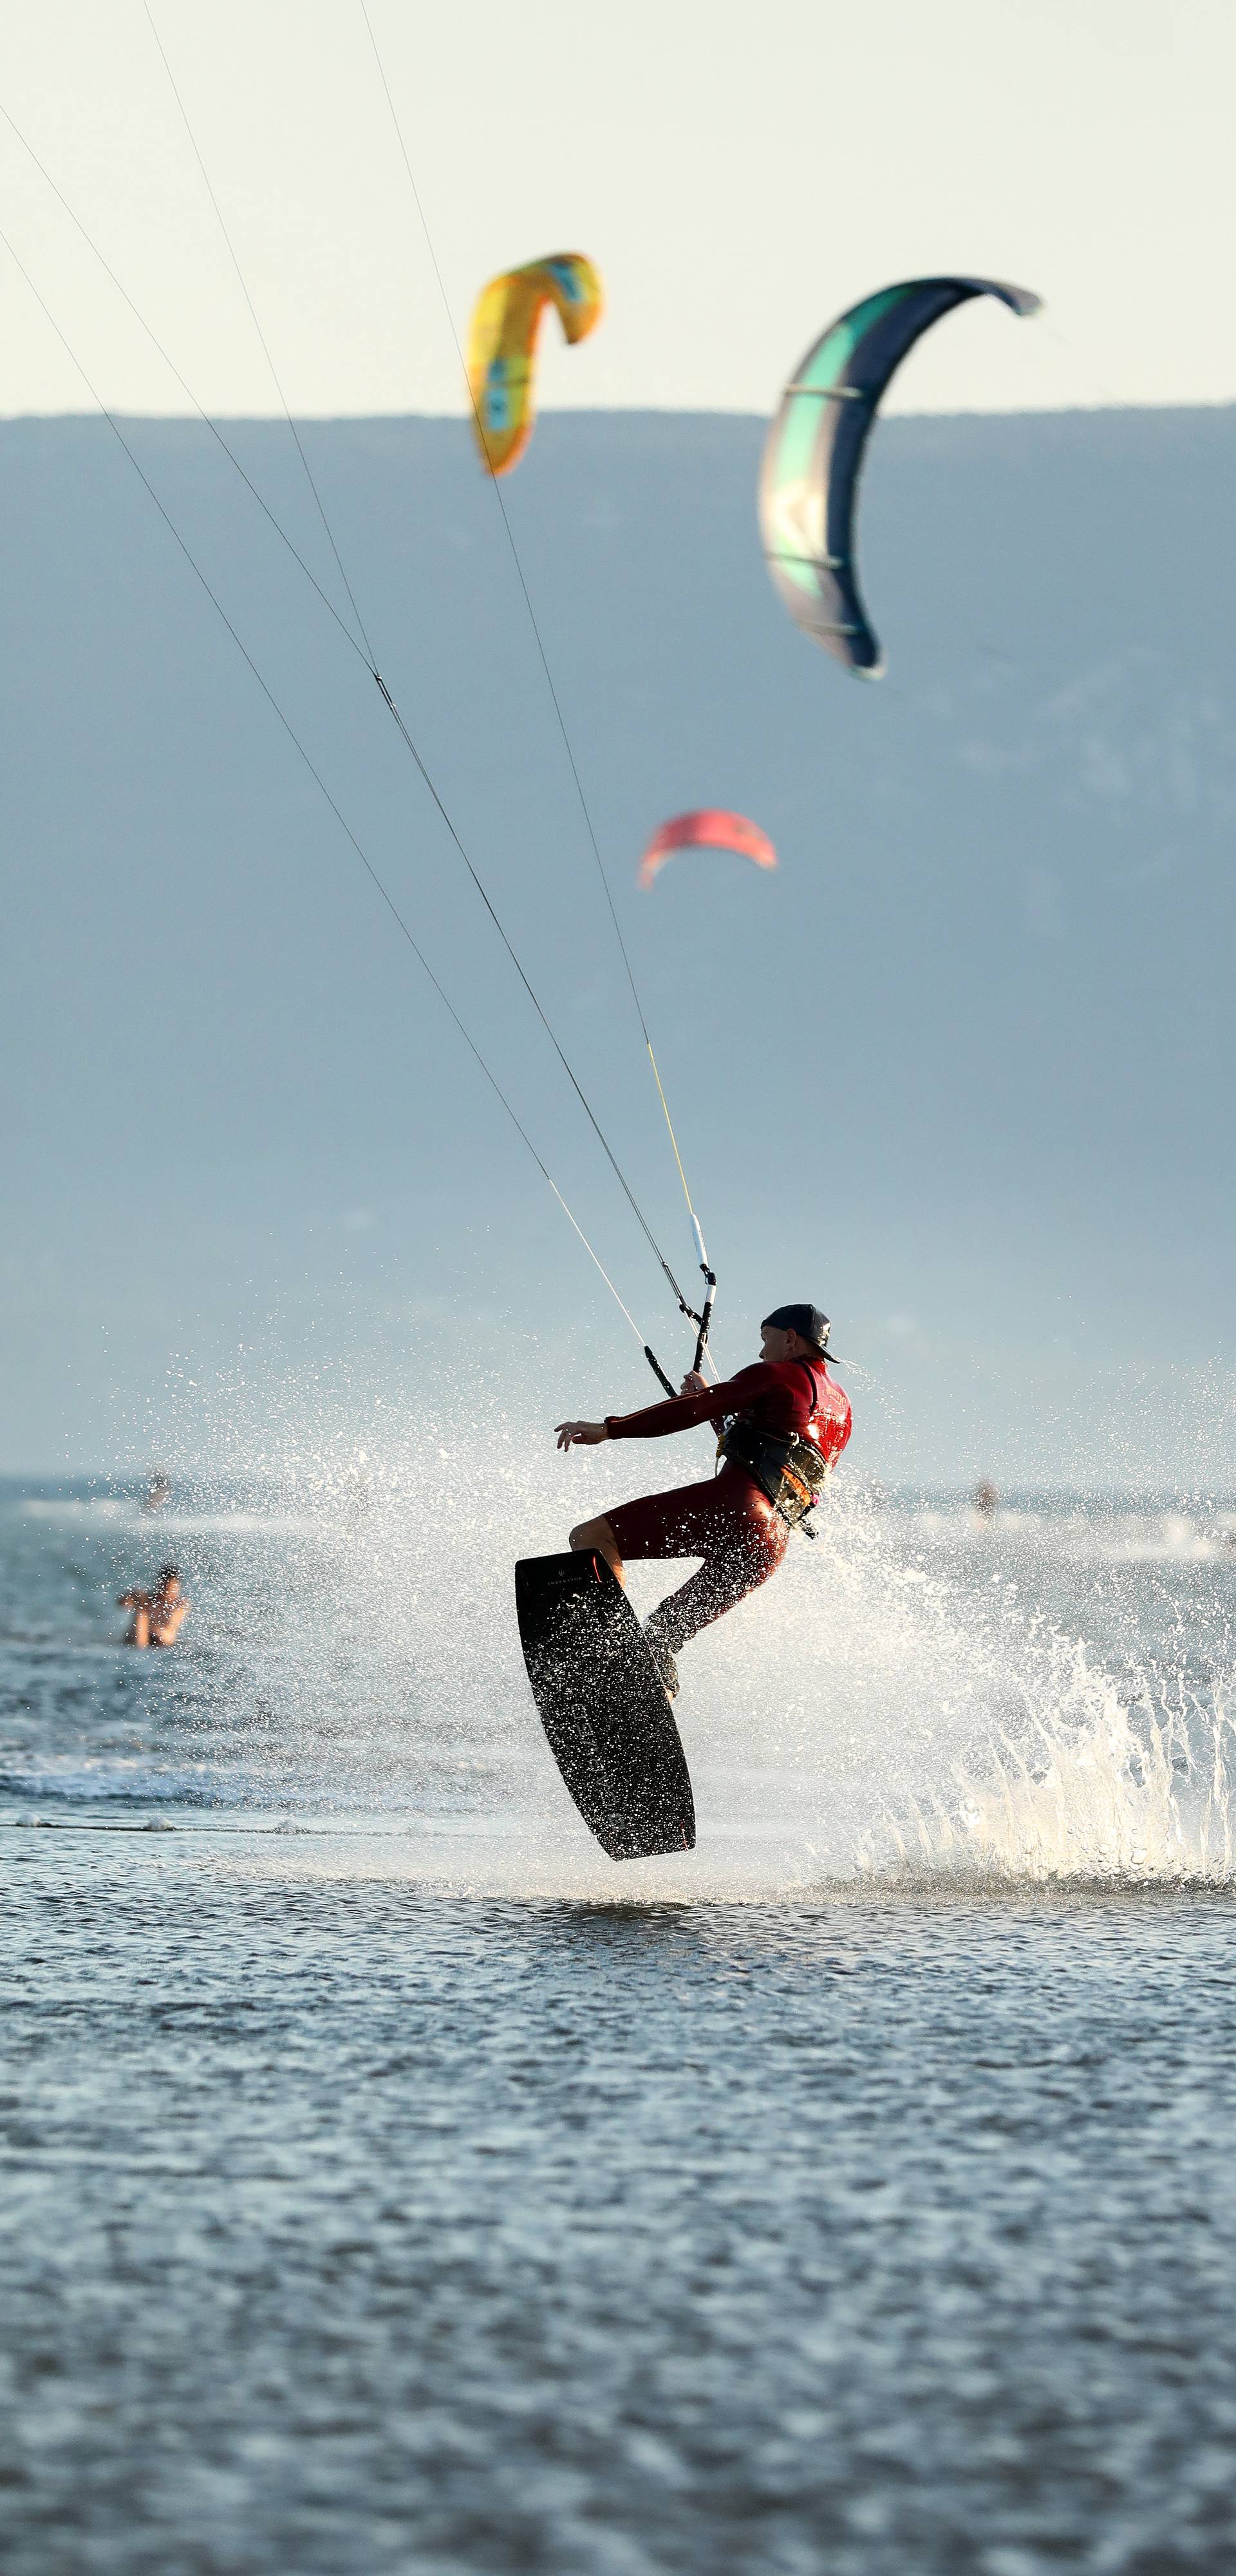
807,1321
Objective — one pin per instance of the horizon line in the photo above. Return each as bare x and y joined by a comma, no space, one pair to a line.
1108,408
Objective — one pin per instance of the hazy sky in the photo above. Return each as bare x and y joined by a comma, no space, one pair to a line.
960,1065
739,174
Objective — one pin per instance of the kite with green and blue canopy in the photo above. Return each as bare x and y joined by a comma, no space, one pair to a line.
814,454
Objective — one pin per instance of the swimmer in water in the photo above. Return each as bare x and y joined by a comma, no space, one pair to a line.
157,1617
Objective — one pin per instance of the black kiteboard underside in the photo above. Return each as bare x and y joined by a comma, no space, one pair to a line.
601,1703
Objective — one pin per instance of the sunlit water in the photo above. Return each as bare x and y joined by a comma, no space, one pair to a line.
395,2182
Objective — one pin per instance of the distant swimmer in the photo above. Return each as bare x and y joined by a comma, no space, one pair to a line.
158,1617
986,1500
782,1424
158,1491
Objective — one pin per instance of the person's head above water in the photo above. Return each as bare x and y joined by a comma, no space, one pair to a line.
794,1332
169,1575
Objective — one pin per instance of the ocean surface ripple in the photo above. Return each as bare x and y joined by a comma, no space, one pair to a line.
392,2182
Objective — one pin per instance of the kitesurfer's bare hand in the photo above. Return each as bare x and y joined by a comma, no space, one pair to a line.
693,1383
585,1433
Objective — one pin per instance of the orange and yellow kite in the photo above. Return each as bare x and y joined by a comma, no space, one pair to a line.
502,345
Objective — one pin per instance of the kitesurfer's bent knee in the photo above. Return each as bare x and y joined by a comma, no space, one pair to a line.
728,1522
598,1534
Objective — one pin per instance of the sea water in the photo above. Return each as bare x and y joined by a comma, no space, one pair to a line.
393,2181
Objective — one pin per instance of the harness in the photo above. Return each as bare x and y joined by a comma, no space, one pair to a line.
787,1467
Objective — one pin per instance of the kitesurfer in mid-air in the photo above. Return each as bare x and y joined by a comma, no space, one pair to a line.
782,1425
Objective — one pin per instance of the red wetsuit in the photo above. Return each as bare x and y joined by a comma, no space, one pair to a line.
729,1521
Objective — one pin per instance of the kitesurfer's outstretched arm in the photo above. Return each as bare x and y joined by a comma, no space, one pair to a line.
584,1435
697,1403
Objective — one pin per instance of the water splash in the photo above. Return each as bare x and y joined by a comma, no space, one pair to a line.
1110,1769
920,1698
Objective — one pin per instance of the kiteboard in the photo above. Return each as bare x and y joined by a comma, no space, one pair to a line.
603,1706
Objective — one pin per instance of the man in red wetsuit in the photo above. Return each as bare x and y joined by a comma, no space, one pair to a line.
732,1521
